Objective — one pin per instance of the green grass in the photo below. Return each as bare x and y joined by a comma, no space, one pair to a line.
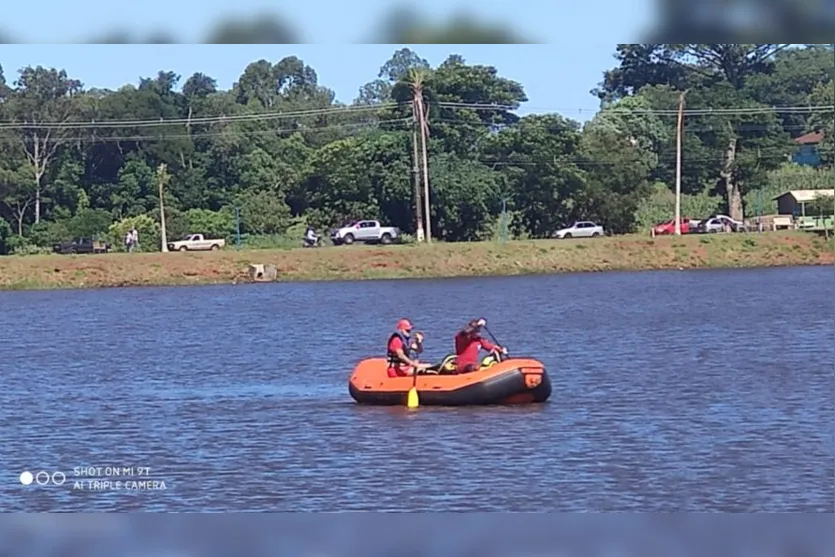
417,260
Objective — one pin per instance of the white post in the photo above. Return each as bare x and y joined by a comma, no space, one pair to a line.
416,177
423,129
678,163
161,179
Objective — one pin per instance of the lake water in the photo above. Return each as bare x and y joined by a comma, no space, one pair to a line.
673,391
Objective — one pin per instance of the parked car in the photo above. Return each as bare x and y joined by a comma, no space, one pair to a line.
81,245
669,227
580,229
196,242
367,231
718,223
736,225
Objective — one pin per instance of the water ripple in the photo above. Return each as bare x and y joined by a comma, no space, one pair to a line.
673,391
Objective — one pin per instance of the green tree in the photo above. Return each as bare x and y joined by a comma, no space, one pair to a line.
659,207
90,223
466,199
538,159
17,194
395,70
466,103
263,213
365,177
823,94
44,102
5,234
731,148
622,145
217,224
147,228
281,148
788,177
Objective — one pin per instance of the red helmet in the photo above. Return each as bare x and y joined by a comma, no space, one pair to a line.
404,325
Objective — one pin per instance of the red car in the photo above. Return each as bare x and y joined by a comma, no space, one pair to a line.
669,227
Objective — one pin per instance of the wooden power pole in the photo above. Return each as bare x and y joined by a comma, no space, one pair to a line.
416,176
423,133
678,162
162,178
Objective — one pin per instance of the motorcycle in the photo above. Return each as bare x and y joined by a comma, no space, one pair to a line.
308,243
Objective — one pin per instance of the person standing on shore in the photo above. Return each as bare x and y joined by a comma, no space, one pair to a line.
134,236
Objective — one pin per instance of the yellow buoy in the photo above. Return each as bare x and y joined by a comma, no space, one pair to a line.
412,400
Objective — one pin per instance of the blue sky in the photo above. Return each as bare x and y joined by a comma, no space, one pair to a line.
556,76
325,21
555,80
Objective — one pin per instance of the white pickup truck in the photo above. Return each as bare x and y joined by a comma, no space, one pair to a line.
368,231
196,242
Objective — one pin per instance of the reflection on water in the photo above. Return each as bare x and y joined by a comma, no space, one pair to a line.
704,390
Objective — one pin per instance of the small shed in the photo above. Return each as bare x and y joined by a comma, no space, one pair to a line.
808,149
794,202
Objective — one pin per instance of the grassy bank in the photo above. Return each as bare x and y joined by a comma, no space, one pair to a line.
437,260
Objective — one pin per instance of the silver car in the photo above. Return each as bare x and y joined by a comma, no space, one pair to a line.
580,229
720,223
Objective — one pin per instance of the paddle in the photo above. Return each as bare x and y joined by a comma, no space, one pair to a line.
493,338
412,399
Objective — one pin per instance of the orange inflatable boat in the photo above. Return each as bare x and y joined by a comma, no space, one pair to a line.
508,381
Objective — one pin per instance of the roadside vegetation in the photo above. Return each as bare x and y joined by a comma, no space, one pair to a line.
278,153
441,259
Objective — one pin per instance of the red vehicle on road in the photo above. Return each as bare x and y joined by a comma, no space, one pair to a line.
669,227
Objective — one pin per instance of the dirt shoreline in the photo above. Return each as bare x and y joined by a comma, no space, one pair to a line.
625,253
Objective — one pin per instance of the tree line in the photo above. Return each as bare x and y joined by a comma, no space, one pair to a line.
278,150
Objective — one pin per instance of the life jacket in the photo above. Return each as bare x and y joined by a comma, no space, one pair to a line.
393,358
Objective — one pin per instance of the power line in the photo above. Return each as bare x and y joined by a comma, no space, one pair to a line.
165,135
700,127
799,109
361,109
224,133
495,161
261,116
597,162
615,109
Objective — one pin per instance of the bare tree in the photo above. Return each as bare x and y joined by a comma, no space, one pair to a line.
43,104
17,196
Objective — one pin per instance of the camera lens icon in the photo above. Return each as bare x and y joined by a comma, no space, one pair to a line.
43,478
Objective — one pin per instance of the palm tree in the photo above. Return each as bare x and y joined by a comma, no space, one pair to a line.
416,79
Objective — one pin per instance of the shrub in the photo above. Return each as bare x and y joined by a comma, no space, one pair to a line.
788,177
5,235
217,224
660,206
147,227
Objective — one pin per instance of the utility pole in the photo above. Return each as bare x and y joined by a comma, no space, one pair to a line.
162,178
237,228
423,133
678,162
416,176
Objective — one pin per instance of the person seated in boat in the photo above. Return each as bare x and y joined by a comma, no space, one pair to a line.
401,347
468,342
